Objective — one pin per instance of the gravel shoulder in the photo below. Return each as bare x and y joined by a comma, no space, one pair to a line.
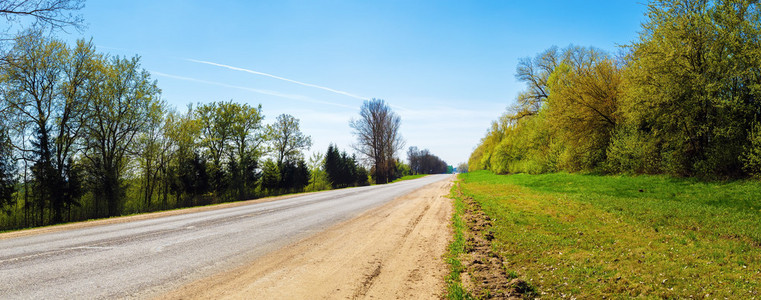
391,252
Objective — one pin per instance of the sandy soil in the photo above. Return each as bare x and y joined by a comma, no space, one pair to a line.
392,252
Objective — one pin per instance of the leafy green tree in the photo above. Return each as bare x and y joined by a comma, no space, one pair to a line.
401,169
286,139
318,176
186,175
232,136
48,89
248,137
694,83
752,156
117,114
7,171
152,146
271,176
583,108
216,120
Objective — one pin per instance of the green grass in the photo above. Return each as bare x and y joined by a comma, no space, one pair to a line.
409,177
455,289
622,236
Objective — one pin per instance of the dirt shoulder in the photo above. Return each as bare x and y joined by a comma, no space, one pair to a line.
145,216
392,252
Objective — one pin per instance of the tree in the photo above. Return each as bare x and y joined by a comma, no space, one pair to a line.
462,168
247,136
294,175
49,87
413,155
7,171
378,137
583,109
191,179
51,14
216,120
232,136
271,176
423,162
401,169
694,83
152,147
333,167
286,139
116,115
318,176
187,175
343,170
535,73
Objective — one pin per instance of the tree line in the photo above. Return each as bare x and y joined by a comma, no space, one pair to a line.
683,100
423,162
87,135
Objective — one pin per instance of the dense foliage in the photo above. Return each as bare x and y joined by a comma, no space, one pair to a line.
682,100
343,170
87,135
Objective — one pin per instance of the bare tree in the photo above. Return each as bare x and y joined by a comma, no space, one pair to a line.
423,162
378,137
535,73
52,14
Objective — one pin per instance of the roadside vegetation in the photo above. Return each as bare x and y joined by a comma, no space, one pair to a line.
410,177
679,107
87,135
456,248
682,99
591,236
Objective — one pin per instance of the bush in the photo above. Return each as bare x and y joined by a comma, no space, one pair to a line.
632,151
751,158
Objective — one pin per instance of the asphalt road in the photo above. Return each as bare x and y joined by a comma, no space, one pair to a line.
149,257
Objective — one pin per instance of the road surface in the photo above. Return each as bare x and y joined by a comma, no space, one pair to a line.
151,257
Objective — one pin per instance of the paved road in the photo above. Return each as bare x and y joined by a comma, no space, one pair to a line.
148,257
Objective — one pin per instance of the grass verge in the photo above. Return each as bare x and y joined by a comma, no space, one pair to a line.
409,177
590,236
455,249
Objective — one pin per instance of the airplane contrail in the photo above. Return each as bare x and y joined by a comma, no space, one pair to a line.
265,92
277,77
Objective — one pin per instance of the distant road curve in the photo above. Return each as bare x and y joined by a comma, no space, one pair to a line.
149,257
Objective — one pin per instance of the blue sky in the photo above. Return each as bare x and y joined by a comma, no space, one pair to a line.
446,67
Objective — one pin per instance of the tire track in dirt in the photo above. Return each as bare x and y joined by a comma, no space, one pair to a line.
392,252
368,283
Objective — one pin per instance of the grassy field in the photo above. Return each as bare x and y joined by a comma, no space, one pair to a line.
590,236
